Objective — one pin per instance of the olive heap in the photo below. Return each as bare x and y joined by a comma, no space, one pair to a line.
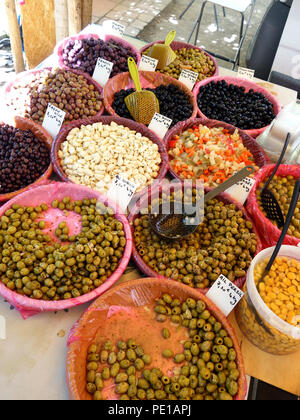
283,187
173,103
206,369
224,243
37,266
83,55
23,158
66,90
233,105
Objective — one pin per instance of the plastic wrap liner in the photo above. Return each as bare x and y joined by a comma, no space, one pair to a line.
269,233
156,191
40,133
59,49
260,157
139,128
46,194
148,79
176,45
247,84
126,311
25,76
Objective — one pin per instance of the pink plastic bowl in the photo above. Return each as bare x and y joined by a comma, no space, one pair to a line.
22,77
246,84
176,45
58,51
46,194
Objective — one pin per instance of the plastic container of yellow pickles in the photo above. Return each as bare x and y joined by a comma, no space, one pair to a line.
257,321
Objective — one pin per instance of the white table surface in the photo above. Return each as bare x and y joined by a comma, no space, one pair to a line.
32,357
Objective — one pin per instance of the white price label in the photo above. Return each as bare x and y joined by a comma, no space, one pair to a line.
121,191
240,191
189,78
2,328
148,63
53,120
102,71
160,125
114,28
225,295
246,73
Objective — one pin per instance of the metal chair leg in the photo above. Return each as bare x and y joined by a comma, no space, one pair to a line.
216,16
186,9
243,36
199,22
224,12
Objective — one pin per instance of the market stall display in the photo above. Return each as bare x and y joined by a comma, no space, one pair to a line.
282,187
93,152
124,317
189,57
238,102
72,91
81,52
224,243
58,250
175,99
24,157
211,151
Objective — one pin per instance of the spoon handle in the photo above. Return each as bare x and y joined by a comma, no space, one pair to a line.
287,141
290,215
134,73
170,38
248,170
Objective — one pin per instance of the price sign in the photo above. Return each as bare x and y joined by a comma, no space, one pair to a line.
246,73
121,191
241,190
2,328
53,120
102,71
114,28
225,295
148,63
160,125
189,78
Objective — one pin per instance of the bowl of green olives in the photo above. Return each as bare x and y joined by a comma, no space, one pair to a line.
224,243
193,352
282,187
61,245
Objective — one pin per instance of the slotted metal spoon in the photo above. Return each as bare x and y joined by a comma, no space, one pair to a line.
269,202
174,225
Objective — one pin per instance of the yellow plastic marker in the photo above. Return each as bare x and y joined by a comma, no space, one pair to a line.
141,104
163,52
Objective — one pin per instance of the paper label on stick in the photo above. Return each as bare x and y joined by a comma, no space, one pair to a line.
189,78
114,28
121,191
240,191
225,295
246,73
102,71
160,125
148,63
53,120
2,328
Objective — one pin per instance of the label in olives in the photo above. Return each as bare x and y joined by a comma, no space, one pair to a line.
160,125
114,28
225,295
53,120
241,190
188,78
102,71
148,63
246,73
121,191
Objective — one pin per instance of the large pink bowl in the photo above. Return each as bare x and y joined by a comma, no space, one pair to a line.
46,194
22,77
58,51
176,45
247,84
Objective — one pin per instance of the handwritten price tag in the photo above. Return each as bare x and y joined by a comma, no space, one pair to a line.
241,190
246,73
2,328
53,120
189,78
121,191
148,63
114,28
102,71
225,295
160,125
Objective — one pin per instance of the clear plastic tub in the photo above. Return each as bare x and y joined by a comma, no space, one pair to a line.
285,338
